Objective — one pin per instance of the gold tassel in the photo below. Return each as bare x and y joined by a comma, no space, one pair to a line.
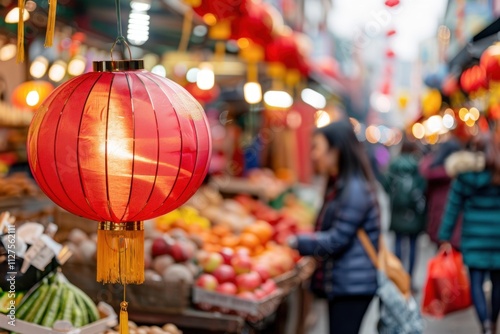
120,252
123,317
20,32
51,23
252,72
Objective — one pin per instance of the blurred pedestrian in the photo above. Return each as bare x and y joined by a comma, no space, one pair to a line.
406,189
476,195
432,169
345,274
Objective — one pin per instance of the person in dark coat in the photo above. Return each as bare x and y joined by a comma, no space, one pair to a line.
432,169
406,190
345,274
476,195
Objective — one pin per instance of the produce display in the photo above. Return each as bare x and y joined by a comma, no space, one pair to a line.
134,329
55,298
230,251
18,184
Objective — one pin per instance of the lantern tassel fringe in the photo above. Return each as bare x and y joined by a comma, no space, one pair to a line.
123,317
20,32
120,253
51,23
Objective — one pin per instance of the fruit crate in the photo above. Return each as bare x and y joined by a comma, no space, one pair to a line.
287,281
292,279
305,268
107,321
152,296
249,309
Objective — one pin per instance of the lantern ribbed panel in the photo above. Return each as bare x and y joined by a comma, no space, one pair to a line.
119,146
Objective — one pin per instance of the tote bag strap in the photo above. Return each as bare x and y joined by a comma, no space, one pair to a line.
368,246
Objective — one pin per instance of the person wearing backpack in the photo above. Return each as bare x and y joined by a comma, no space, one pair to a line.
406,189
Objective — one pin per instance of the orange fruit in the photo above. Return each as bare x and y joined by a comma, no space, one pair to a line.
213,239
221,230
230,241
261,229
249,240
258,250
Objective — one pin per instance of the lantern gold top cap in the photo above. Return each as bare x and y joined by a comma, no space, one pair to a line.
118,65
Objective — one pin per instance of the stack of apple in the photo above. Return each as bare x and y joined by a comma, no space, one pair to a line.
171,258
231,273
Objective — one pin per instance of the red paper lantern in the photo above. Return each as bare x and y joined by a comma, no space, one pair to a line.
490,62
466,81
119,146
285,49
256,24
30,94
221,9
389,53
392,3
450,85
391,32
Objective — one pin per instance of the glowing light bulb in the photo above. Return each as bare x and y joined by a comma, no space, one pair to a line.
13,15
39,67
32,98
205,78
77,66
278,99
322,118
57,71
252,92
313,98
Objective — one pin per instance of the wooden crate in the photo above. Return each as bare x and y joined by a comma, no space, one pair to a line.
155,297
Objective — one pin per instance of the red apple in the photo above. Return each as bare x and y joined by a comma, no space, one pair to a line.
269,286
227,288
224,273
247,295
241,264
262,270
248,282
207,282
159,247
227,253
211,262
260,294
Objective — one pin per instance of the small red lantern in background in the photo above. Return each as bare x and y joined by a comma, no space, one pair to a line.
466,81
119,145
256,24
30,94
202,95
490,62
221,9
450,85
285,49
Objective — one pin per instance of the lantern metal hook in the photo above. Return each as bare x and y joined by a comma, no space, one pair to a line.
121,39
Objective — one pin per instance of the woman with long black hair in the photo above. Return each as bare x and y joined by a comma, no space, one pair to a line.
345,274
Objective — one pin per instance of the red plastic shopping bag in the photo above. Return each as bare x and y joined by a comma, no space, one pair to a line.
447,287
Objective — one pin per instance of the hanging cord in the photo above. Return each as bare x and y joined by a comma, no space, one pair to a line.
187,25
120,39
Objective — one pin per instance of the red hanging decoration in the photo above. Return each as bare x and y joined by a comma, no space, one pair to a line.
256,24
119,146
390,32
221,9
450,85
390,54
392,3
490,62
285,49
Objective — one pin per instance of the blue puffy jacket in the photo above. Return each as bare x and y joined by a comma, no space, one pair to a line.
344,268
